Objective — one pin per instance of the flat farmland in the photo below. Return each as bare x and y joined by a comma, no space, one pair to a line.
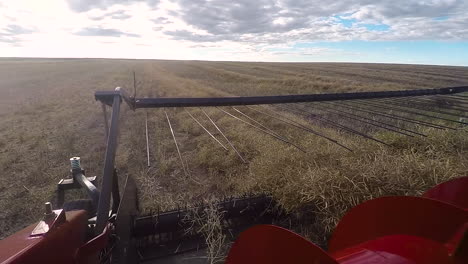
48,114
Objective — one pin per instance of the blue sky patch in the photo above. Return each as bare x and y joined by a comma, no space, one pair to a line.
412,52
441,18
376,27
350,22
346,22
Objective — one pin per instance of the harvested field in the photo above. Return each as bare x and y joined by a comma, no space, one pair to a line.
48,114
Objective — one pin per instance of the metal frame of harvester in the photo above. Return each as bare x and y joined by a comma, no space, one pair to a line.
110,228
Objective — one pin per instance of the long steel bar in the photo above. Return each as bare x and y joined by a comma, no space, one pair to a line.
134,85
256,122
431,101
224,136
147,141
461,96
371,122
263,130
374,110
332,123
388,115
175,142
255,100
427,106
409,112
448,102
293,123
206,130
452,100
455,111
106,122
420,106
380,122
446,98
109,160
115,193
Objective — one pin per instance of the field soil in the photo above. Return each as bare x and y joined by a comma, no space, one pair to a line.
48,114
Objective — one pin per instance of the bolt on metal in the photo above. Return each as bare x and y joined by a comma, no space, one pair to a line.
75,163
48,209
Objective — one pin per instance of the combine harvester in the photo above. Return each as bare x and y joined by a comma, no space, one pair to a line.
108,227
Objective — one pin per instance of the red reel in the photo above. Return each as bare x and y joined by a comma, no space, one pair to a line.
390,230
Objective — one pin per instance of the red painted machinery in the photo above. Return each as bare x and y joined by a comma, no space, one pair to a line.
432,229
108,227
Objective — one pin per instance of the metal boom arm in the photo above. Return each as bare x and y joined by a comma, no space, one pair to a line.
106,97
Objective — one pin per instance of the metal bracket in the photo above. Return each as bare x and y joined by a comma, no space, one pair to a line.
49,222
69,184
107,97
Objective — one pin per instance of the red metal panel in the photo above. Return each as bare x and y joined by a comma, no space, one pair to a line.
454,192
270,244
88,253
388,230
385,216
396,249
267,244
57,246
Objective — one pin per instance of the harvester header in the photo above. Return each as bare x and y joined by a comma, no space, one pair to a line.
109,226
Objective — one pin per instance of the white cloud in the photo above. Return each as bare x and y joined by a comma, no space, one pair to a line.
86,5
211,29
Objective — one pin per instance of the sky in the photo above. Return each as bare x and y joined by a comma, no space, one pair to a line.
397,31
